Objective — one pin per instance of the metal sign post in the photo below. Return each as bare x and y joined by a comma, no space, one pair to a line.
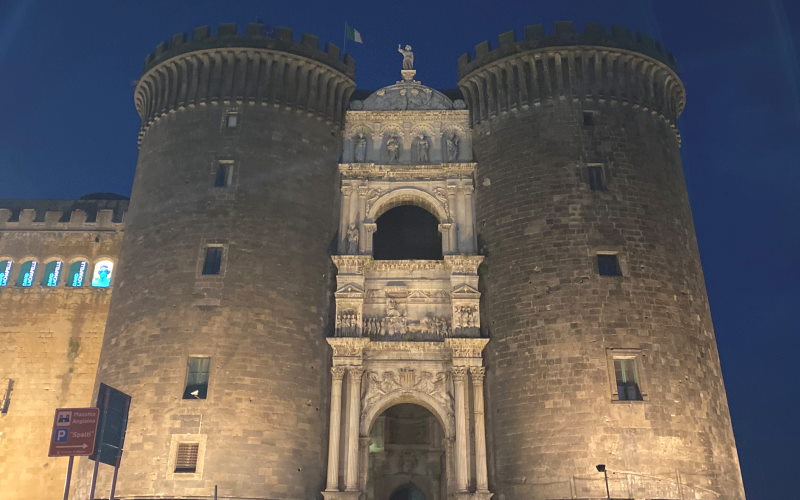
111,434
69,477
74,433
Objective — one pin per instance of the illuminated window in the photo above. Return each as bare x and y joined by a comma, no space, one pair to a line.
627,379
77,273
186,458
608,264
596,177
224,175
27,271
197,378
102,274
5,271
212,264
52,273
231,120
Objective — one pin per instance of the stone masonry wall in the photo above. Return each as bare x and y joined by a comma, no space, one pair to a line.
553,320
262,321
49,346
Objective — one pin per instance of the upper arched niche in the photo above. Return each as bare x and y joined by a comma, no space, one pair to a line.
405,95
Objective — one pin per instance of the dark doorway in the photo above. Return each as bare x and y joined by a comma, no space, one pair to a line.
407,492
407,232
406,456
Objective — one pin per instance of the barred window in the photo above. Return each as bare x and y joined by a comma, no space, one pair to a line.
186,458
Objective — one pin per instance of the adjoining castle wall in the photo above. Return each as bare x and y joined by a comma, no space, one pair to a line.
262,320
555,323
50,337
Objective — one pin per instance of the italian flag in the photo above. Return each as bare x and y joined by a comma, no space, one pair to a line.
353,34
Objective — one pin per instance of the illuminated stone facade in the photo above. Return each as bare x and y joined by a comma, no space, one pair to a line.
271,352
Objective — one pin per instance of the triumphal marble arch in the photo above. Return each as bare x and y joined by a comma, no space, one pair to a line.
407,377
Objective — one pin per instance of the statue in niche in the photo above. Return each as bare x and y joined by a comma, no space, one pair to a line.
408,56
395,321
393,148
352,239
360,148
423,146
451,143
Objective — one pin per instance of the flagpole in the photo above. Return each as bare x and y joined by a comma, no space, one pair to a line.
344,39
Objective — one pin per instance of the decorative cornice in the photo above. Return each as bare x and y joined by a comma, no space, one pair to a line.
463,264
466,348
375,171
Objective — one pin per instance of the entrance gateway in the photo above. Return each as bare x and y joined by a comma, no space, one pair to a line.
407,401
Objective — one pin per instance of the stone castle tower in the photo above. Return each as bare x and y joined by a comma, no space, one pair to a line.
413,294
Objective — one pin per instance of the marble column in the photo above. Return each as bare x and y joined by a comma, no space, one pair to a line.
481,478
454,217
361,215
337,373
354,409
344,218
462,450
469,220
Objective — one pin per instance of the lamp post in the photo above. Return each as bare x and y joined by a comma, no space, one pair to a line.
602,468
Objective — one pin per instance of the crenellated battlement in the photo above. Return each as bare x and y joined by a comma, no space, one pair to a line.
258,67
255,35
62,215
565,34
570,67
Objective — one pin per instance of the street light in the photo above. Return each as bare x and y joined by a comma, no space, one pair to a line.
602,468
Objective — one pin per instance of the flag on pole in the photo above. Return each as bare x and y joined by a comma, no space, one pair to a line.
353,34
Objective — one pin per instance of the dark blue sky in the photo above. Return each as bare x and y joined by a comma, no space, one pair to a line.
69,128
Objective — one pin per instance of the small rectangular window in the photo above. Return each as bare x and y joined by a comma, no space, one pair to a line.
608,265
197,378
596,177
224,175
588,118
232,120
627,379
186,458
213,260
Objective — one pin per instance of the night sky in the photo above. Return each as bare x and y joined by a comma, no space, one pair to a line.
69,128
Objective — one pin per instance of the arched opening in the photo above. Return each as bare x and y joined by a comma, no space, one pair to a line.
407,492
406,456
407,232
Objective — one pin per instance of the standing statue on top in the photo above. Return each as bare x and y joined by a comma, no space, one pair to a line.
408,56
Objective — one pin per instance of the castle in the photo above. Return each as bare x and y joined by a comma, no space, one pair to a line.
493,292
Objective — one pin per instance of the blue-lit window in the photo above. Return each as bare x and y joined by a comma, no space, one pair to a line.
77,273
27,271
102,274
5,271
52,273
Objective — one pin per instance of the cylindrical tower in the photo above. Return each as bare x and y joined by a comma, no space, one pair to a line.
602,348
217,323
